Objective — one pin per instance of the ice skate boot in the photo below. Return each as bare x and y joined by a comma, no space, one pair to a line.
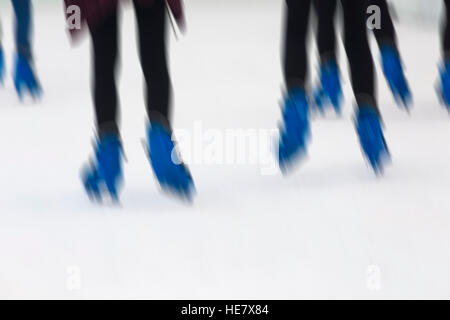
170,171
25,79
393,71
294,130
371,138
103,176
444,90
330,90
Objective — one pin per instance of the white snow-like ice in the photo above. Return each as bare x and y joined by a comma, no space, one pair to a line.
331,230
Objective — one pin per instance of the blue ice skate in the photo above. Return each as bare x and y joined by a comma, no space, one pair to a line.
171,173
2,65
25,79
393,71
444,90
330,90
104,174
295,129
371,137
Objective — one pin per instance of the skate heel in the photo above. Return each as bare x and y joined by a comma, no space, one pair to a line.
90,183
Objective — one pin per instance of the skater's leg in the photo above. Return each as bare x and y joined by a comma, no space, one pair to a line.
445,67
368,123
151,22
391,62
105,51
329,89
295,130
358,52
385,35
172,174
295,53
23,27
25,78
446,32
106,168
326,29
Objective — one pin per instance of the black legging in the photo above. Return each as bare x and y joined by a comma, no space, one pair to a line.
446,32
326,34
295,52
356,44
386,34
151,23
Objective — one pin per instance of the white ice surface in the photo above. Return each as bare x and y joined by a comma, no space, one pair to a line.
315,234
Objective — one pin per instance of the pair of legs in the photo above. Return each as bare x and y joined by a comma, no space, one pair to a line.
172,175
295,131
355,42
151,21
326,31
384,33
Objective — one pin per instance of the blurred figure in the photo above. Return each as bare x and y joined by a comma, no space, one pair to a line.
330,90
444,90
25,79
104,174
295,129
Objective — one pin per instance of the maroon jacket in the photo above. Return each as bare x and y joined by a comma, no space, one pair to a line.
93,11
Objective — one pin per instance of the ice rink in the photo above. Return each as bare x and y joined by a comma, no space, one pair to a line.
330,230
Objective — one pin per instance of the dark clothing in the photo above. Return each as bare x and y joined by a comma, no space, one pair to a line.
326,29
295,60
151,22
386,34
355,42
446,32
23,27
326,34
94,12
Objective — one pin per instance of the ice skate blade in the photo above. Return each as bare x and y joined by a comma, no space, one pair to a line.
185,196
380,168
288,167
